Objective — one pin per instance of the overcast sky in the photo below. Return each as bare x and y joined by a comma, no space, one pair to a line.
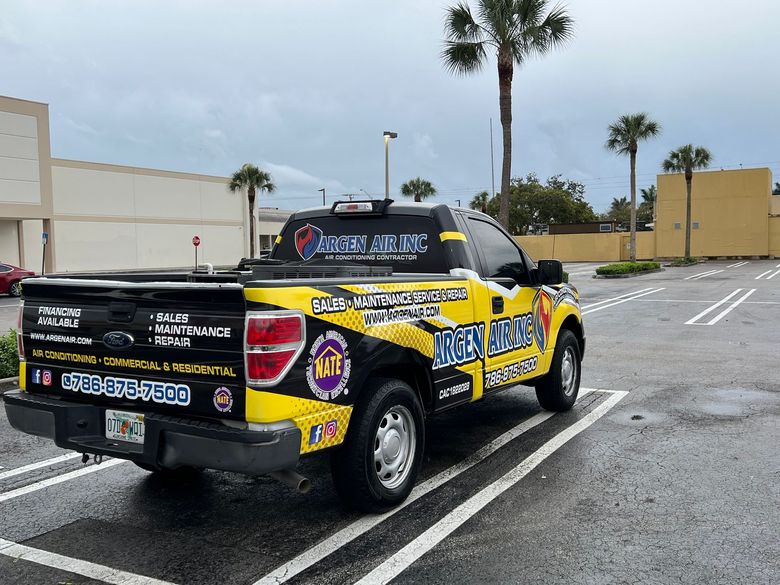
305,88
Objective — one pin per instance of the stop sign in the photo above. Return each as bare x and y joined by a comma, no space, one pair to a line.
196,241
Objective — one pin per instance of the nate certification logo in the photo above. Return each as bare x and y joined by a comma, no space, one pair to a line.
329,366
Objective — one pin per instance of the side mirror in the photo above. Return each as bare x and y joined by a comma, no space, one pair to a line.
550,272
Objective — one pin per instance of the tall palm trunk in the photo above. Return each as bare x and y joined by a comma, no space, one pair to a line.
417,198
632,239
688,186
505,72
251,198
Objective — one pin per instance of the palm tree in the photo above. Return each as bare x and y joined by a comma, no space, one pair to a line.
252,179
479,201
687,159
649,196
418,188
618,209
624,137
516,30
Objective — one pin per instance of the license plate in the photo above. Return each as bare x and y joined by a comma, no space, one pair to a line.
125,426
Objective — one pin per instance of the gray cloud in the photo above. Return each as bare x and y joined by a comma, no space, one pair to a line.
308,87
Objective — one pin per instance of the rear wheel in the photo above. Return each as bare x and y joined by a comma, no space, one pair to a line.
558,390
15,290
376,467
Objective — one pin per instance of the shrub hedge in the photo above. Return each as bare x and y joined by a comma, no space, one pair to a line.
9,358
626,268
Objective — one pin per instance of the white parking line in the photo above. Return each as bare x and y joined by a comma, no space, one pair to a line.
775,273
730,308
723,301
71,565
616,298
762,275
33,466
703,275
401,560
347,534
39,485
737,265
622,300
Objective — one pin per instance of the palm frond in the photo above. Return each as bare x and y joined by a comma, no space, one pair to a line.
462,58
460,26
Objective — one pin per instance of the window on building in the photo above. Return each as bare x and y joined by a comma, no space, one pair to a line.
605,227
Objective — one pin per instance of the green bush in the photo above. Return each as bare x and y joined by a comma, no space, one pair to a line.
627,268
9,357
684,261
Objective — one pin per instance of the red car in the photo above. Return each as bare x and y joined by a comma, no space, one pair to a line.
10,279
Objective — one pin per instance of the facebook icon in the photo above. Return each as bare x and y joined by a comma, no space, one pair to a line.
36,376
315,435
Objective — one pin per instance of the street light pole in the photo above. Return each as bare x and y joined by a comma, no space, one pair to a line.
323,194
388,135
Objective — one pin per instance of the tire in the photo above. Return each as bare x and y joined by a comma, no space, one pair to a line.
376,467
15,289
557,391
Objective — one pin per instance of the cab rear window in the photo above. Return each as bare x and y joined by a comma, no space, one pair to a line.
408,243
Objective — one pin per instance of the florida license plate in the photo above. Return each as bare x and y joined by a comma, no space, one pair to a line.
125,426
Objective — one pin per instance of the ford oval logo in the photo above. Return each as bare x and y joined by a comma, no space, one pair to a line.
118,340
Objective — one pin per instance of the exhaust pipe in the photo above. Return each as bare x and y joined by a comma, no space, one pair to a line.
292,479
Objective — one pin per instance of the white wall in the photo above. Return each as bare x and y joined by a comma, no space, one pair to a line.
109,217
9,243
33,247
20,180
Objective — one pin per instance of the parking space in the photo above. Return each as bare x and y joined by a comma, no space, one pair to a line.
666,470
8,311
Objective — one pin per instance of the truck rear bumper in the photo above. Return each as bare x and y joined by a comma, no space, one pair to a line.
169,442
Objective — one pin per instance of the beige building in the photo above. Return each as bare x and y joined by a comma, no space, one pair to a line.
106,217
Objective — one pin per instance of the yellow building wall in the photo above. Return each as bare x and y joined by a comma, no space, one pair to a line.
732,208
774,205
537,247
588,247
774,236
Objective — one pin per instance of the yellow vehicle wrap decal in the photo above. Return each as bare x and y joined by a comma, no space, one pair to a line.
322,424
23,375
444,236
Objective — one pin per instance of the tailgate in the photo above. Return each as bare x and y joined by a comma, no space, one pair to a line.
164,347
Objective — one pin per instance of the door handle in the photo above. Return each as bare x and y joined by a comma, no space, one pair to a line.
498,305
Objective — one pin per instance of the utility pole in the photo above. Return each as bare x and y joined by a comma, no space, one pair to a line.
323,194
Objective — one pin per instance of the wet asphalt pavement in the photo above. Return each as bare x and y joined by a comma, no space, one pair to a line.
669,472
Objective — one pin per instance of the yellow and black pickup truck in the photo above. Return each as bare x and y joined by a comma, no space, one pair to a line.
367,317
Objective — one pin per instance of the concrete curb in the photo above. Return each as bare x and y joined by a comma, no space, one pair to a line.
7,384
631,275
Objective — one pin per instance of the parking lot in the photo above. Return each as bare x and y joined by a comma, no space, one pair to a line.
667,470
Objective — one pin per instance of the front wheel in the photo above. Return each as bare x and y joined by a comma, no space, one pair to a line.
558,389
376,467
15,290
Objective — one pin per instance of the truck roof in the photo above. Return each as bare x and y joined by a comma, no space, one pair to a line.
395,208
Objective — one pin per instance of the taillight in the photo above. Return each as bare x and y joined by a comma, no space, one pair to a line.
19,337
272,343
